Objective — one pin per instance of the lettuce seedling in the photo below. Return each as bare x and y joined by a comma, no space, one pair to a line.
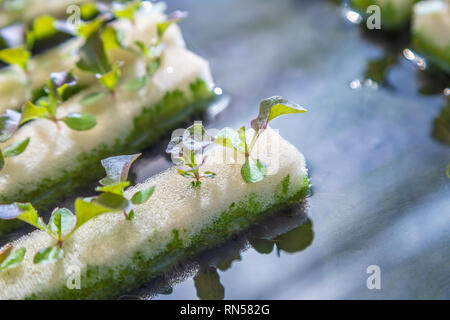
10,259
93,59
113,187
46,106
255,170
9,123
151,54
63,223
188,153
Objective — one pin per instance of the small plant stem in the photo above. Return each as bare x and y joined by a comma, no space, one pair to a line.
252,143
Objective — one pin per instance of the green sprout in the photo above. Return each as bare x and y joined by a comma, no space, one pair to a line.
63,223
9,123
93,59
255,170
151,54
188,153
46,106
113,186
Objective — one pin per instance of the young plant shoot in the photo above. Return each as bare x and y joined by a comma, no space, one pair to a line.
151,54
255,170
188,153
63,223
46,106
9,123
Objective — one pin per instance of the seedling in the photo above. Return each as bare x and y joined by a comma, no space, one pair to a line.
9,123
255,170
188,153
63,223
46,106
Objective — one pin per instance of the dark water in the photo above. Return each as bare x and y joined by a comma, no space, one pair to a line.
381,181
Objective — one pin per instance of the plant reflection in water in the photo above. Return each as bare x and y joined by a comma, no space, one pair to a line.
289,231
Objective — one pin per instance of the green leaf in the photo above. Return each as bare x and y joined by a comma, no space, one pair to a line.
186,174
130,215
91,98
152,67
243,139
22,211
126,11
174,17
117,168
86,29
62,222
48,255
112,38
2,160
230,138
9,122
142,196
13,259
113,202
30,39
196,184
110,79
272,108
18,56
16,148
253,170
208,174
80,121
59,82
43,27
5,252
31,111
93,56
86,210
88,11
136,83
114,188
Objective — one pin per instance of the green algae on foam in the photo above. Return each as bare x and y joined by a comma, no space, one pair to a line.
153,122
106,282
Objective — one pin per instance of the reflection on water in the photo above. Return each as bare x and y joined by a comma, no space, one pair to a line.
441,125
289,231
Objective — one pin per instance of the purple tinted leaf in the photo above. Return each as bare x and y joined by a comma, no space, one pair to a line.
13,35
61,78
174,146
9,122
195,138
117,168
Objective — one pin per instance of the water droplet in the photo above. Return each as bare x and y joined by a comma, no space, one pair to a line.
352,16
355,84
